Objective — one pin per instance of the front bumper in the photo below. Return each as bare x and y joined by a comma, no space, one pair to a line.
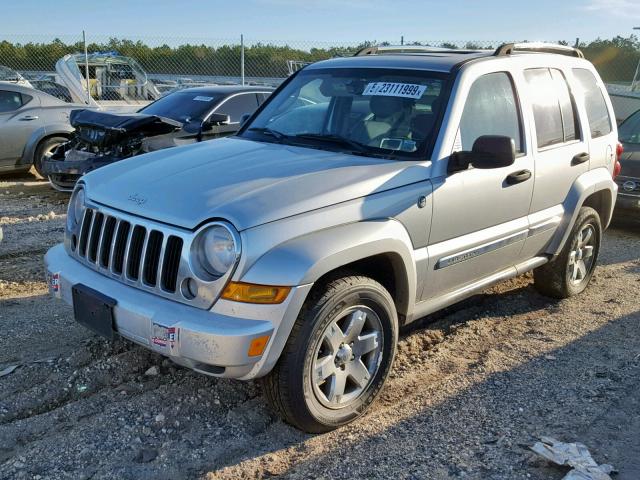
76,163
628,204
214,342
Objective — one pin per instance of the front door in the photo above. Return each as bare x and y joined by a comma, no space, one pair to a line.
18,120
479,221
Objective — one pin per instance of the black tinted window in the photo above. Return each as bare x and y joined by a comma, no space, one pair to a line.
185,106
491,109
9,101
629,130
237,106
597,113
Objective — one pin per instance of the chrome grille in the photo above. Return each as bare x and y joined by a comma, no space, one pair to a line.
135,253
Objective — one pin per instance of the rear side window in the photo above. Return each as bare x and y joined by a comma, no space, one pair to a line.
554,111
9,101
597,112
491,109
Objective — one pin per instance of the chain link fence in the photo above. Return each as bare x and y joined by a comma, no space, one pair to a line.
153,66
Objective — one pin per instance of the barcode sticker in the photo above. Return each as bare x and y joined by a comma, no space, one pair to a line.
387,89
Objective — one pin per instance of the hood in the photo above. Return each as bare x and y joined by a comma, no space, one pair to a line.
630,160
116,127
245,182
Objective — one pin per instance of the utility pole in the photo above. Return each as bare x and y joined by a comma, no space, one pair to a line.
635,75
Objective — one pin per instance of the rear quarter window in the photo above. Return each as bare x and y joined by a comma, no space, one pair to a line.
597,112
10,101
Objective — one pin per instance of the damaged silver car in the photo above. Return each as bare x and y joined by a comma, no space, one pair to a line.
181,118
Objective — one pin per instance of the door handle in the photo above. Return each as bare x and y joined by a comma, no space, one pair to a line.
28,118
580,158
517,177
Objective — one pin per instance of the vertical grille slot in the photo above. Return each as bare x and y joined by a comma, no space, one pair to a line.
135,252
94,236
84,232
152,258
171,263
107,240
120,247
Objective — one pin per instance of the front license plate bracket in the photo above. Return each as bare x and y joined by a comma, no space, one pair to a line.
94,310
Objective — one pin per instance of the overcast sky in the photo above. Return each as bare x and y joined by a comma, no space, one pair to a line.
329,20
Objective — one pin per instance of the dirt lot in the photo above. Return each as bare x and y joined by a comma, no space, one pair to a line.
471,389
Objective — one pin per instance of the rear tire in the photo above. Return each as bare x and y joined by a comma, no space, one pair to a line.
570,272
337,357
44,149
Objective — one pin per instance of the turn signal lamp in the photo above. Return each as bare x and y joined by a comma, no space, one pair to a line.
252,293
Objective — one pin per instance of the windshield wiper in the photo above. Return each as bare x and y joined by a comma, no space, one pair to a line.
337,139
268,131
357,148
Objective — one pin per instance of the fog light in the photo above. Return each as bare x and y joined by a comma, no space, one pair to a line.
189,288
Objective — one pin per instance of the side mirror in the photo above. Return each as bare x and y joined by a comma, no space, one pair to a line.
215,119
244,118
488,151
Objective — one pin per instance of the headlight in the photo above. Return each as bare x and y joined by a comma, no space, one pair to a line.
216,250
76,209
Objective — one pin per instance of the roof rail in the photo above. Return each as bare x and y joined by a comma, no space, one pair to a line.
416,49
509,48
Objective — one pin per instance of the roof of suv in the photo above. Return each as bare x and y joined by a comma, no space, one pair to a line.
437,59
439,62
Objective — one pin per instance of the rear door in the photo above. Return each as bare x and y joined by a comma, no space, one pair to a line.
561,150
18,120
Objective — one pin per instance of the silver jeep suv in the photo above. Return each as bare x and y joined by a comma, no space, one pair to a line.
364,194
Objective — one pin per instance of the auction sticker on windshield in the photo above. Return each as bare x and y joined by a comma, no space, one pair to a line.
201,98
388,89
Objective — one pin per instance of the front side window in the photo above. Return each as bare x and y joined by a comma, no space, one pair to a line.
490,109
597,112
237,106
9,101
370,111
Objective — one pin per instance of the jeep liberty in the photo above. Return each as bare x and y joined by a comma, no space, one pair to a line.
365,193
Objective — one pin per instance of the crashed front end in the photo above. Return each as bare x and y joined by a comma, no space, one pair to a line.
102,138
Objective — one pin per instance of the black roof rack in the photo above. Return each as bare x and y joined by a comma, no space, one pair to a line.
411,49
509,48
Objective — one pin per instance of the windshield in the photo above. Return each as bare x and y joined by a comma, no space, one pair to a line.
629,130
377,112
183,106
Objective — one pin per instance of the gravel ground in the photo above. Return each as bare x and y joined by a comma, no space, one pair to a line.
471,388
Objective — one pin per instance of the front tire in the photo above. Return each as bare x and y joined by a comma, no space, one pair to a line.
569,273
337,357
44,150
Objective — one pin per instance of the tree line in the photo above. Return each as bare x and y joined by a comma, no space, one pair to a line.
616,58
